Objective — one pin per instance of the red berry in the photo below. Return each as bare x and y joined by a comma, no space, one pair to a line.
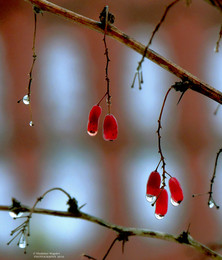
93,121
153,186
110,128
161,204
176,191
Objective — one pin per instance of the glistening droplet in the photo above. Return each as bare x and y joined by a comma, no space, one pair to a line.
22,241
150,198
211,204
31,123
26,100
159,216
215,49
14,215
92,133
174,203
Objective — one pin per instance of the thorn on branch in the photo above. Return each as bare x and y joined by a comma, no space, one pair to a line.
73,206
102,18
17,208
183,238
124,237
182,86
37,10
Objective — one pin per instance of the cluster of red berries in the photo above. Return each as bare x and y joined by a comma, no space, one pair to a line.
110,127
159,196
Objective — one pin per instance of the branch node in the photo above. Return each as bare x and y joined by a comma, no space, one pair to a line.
102,18
183,238
73,206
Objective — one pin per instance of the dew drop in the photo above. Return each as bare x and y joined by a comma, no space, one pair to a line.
22,241
150,198
174,203
14,215
158,216
211,204
215,49
31,123
92,133
26,100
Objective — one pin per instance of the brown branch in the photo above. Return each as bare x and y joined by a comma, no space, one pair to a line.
184,238
216,3
196,84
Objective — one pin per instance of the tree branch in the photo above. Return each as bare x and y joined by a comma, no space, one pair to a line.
112,31
184,238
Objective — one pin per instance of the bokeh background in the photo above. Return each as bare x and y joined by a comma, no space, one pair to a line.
68,79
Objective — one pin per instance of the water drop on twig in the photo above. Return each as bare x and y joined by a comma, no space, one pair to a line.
26,100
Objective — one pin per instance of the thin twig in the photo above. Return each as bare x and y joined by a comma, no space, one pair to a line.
107,61
218,41
109,249
34,56
153,34
211,201
159,137
24,228
197,85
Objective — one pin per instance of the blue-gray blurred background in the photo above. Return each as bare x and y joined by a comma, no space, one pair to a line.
68,79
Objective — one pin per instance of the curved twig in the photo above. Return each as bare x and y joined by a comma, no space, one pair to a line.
184,238
112,31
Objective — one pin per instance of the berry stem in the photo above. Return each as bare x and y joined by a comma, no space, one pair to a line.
158,165
107,62
159,138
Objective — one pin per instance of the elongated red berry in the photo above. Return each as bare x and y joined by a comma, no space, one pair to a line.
93,121
176,191
110,128
153,186
161,204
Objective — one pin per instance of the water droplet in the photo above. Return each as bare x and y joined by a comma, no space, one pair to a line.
22,241
26,100
211,204
14,215
150,198
91,133
215,49
31,123
174,203
159,216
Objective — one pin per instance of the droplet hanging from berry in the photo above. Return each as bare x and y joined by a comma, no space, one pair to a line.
12,214
93,121
110,128
176,191
153,186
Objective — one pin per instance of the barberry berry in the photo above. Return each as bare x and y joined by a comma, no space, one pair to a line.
153,186
93,121
110,128
176,191
161,204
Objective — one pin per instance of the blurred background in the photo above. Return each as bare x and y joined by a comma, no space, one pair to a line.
68,79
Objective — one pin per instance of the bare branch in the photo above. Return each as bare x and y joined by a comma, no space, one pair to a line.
197,85
184,238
